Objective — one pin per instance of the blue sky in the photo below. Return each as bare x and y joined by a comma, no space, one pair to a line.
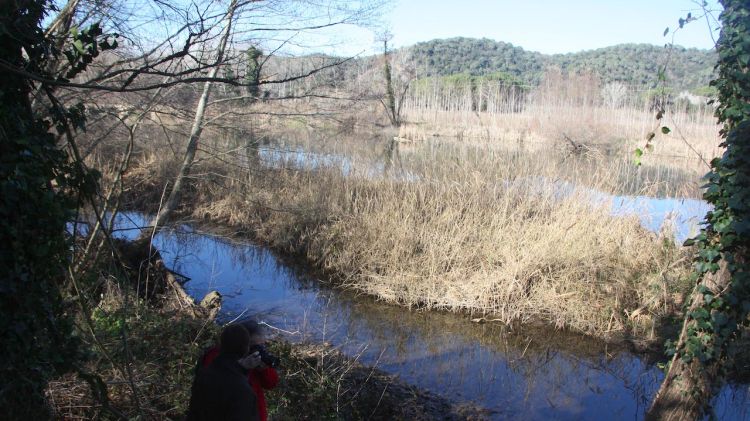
548,26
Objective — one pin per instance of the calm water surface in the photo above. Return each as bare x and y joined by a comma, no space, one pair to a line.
523,374
681,215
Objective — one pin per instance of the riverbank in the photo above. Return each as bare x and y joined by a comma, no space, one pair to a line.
319,382
528,371
144,346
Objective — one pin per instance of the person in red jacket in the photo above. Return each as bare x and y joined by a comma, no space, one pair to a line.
220,390
260,376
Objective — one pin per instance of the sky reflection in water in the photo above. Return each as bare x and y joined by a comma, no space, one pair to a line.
531,374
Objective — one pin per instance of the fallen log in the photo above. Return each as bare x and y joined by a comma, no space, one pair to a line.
155,282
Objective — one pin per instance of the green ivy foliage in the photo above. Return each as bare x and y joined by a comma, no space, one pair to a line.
252,72
37,343
84,47
715,321
39,188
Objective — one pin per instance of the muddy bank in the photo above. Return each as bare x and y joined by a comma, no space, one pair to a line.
318,380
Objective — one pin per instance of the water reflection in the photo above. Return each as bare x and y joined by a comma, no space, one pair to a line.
375,158
609,171
526,372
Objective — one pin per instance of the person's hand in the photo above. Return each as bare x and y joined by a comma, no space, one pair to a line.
251,361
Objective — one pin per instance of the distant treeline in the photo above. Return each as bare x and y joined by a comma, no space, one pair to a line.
632,64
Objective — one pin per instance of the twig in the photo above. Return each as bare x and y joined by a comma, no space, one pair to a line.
296,332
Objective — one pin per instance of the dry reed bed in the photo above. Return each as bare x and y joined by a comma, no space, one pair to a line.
694,136
462,240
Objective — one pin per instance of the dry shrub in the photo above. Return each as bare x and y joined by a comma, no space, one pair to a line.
320,382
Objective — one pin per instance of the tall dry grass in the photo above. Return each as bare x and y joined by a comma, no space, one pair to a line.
560,113
461,239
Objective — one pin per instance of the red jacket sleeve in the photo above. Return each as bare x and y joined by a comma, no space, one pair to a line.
267,377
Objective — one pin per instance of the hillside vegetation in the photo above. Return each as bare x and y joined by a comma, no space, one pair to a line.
633,64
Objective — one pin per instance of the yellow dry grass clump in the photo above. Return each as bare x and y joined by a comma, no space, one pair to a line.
464,240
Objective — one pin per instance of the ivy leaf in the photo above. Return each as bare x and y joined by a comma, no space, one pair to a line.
666,31
719,319
79,46
650,136
665,130
700,313
710,255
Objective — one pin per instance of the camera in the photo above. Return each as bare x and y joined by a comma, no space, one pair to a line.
265,356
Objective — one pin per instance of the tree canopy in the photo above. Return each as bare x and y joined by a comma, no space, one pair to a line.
635,64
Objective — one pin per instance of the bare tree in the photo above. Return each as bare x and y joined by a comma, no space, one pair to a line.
396,83
179,45
197,127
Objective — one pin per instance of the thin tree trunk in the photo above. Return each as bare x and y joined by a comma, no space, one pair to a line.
175,193
61,25
59,29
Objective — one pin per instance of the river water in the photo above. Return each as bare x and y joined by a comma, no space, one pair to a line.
520,373
526,373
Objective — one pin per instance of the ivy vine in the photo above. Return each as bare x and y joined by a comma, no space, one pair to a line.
39,186
716,314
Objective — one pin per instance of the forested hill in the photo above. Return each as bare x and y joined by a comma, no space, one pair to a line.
637,64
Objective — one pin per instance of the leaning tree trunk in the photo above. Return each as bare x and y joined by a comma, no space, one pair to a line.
688,386
169,206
